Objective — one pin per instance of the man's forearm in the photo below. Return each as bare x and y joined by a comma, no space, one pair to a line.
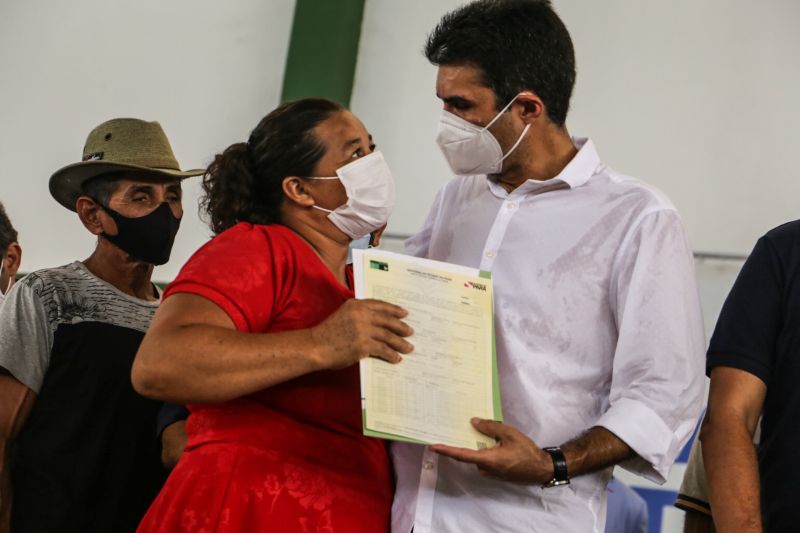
595,450
5,491
16,402
697,522
517,458
732,472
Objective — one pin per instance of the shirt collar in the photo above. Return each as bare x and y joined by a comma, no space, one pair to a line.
577,172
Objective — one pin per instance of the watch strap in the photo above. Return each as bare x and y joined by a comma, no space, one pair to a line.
560,473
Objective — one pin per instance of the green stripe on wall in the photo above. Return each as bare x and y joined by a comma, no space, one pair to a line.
323,49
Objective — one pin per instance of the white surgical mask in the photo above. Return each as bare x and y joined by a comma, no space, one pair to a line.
370,192
470,149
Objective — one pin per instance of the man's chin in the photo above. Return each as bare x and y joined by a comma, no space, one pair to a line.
139,264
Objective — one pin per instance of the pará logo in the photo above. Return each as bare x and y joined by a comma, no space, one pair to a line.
473,285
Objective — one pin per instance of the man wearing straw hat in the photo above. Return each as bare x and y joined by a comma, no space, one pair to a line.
79,444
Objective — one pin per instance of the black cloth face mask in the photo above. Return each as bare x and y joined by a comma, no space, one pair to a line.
148,238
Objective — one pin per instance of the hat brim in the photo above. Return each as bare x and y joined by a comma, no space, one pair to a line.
66,184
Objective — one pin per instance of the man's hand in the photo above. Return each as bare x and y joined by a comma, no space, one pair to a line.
514,458
518,459
173,441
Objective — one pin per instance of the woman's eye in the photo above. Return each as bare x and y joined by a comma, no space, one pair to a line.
358,153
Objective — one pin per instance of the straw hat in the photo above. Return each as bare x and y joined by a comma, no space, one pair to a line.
118,145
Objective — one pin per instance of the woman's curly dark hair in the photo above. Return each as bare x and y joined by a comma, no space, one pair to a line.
243,183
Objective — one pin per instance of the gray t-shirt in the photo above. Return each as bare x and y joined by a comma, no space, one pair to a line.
86,460
42,301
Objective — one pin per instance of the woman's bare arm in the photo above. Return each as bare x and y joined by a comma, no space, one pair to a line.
192,352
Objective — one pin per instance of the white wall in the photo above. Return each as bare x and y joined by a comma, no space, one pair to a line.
697,98
394,95
694,97
207,70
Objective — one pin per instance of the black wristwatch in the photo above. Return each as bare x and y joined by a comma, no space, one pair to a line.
560,474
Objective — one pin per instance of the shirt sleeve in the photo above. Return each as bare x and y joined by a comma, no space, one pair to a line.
25,336
168,415
750,320
239,270
657,376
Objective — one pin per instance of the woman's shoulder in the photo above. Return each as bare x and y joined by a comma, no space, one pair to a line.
248,234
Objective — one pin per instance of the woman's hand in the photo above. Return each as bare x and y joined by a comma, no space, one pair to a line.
362,328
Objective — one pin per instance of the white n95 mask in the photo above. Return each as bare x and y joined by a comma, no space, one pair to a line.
470,149
370,192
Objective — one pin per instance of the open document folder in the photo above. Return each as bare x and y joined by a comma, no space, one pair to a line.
451,376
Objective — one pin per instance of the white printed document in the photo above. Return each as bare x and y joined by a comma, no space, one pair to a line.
451,376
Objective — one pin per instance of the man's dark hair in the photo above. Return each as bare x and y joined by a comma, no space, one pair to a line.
518,45
100,188
7,232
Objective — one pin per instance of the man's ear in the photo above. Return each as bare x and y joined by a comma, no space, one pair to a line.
90,214
296,190
532,106
13,259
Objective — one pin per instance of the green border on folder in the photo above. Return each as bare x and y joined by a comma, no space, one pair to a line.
498,404
389,436
496,401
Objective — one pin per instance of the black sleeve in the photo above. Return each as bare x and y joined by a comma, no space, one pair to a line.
168,415
748,326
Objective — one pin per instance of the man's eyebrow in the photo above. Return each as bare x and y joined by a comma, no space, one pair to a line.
139,188
455,98
450,96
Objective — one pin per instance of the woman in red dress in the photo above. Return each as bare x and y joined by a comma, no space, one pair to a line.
260,336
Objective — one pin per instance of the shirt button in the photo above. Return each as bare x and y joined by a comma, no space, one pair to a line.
427,465
490,253
511,205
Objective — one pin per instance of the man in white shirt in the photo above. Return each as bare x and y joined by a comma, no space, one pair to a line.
599,332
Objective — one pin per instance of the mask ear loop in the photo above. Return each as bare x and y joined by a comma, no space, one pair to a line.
499,114
315,206
522,136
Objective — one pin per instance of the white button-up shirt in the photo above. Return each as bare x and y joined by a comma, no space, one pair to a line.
597,322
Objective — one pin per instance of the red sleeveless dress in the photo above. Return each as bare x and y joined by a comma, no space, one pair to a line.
291,458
